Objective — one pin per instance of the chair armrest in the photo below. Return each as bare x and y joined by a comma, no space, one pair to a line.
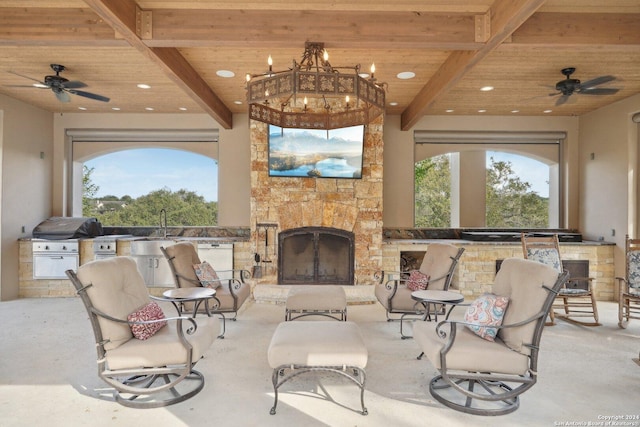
192,328
453,324
241,273
382,276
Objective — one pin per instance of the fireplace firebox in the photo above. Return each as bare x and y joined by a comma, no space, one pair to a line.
316,256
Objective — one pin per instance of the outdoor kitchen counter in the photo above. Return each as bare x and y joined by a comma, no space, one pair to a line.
477,267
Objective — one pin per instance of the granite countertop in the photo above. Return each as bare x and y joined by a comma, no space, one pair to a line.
490,243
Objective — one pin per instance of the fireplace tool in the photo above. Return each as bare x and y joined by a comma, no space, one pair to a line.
260,260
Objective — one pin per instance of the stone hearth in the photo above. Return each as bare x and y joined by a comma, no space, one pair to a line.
352,205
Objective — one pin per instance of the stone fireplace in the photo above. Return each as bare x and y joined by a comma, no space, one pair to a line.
351,206
316,255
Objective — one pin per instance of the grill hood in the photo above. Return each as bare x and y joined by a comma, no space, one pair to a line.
60,227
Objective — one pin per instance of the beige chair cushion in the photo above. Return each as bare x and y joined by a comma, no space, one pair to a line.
184,256
117,289
165,347
402,300
316,297
521,281
436,263
318,343
469,352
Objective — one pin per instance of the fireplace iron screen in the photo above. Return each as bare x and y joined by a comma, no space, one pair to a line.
316,255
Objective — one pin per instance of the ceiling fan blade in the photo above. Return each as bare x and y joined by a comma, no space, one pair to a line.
595,82
73,85
599,91
62,95
89,95
27,77
562,100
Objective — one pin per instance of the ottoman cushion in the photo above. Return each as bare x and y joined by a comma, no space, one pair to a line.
319,343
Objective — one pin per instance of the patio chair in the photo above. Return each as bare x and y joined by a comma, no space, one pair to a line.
483,370
435,273
148,359
231,292
576,298
629,298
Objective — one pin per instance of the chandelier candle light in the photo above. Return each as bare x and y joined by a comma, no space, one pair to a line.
331,99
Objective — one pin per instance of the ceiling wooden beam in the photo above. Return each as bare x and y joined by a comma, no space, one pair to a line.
122,15
83,27
506,17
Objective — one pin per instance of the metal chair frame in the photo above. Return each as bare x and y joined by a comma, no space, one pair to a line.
395,279
143,387
474,392
233,284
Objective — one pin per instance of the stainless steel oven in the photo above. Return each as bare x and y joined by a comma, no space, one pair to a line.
51,258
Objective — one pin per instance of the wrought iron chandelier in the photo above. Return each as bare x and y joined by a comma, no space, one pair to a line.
330,99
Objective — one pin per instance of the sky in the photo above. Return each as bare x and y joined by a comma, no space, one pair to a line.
529,170
138,172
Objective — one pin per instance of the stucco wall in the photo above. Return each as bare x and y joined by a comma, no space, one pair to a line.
609,182
26,135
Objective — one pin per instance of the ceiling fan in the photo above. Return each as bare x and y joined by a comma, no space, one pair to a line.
62,87
569,86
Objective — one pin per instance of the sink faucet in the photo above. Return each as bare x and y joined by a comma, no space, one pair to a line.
163,224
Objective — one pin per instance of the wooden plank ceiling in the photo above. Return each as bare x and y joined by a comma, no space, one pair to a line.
453,47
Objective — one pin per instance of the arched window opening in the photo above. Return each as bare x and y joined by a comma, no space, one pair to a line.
130,188
477,188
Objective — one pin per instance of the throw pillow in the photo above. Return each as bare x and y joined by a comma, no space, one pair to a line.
486,311
150,311
207,275
418,281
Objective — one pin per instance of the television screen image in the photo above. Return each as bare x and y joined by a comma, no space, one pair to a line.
316,153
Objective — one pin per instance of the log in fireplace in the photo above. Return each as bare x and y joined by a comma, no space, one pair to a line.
316,256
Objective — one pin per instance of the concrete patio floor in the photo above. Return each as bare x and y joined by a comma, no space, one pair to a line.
48,376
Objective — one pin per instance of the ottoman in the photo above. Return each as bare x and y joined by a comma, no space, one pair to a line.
300,347
316,300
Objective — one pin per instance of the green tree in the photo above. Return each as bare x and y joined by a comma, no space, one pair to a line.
183,208
89,190
433,192
510,203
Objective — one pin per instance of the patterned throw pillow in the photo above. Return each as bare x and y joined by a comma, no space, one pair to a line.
207,275
418,281
487,310
150,311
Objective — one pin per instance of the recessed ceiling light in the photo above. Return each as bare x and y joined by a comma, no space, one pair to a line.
182,108
486,88
393,104
115,108
449,111
143,86
515,111
406,75
82,108
237,102
225,73
148,108
482,111
547,111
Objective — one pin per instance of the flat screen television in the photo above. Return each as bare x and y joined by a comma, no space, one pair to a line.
316,153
